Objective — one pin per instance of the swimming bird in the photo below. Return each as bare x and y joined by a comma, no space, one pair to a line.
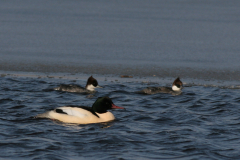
175,89
90,86
83,115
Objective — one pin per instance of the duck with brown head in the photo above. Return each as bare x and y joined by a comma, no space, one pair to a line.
174,90
177,85
92,83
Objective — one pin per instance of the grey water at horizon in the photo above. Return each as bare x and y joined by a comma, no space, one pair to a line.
194,39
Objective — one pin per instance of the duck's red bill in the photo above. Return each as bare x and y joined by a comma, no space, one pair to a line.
116,107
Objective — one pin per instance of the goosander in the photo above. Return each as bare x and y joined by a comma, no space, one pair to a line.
175,90
90,86
84,115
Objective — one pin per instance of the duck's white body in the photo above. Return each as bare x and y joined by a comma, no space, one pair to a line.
77,115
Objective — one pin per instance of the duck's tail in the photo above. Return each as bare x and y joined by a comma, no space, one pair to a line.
43,115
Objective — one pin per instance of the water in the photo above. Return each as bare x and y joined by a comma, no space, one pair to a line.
46,43
201,123
194,39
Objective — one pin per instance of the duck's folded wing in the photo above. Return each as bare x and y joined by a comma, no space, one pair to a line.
77,112
64,111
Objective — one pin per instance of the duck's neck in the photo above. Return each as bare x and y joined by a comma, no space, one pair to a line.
175,88
90,87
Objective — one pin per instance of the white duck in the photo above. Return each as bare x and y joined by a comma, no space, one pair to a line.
83,115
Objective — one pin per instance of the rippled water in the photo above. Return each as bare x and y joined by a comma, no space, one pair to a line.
196,40
201,123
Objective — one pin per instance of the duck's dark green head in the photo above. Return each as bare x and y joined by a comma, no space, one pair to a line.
102,104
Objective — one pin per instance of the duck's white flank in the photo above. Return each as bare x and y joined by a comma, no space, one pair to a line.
77,115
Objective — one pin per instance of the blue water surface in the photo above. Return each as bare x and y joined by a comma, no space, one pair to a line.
201,123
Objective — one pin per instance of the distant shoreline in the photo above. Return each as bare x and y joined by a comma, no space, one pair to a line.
134,70
209,78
